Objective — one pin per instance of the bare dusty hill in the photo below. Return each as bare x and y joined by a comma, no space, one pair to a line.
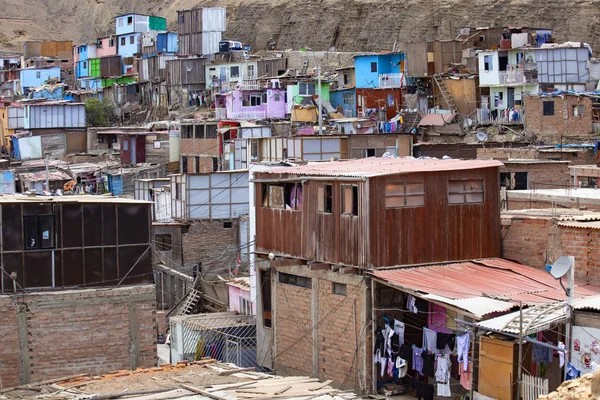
347,24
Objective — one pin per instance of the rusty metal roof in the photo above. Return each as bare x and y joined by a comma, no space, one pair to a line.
485,279
374,166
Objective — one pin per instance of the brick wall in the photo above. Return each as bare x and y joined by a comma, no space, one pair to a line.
293,321
209,241
314,328
76,141
542,176
77,331
562,123
575,156
539,241
338,334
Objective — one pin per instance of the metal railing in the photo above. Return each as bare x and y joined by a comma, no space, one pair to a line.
223,336
504,117
391,80
220,113
248,114
249,85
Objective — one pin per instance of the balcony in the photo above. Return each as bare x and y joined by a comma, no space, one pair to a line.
392,81
499,117
249,85
516,76
248,115
221,113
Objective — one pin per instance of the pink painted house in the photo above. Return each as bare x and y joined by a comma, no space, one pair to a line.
106,46
251,104
239,296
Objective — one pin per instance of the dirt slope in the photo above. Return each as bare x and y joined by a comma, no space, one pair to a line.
345,24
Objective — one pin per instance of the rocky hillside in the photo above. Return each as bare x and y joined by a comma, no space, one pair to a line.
320,24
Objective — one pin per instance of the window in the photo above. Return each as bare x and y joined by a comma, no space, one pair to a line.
131,39
307,88
121,22
348,99
505,180
295,280
187,131
215,164
370,152
292,196
211,131
38,74
178,191
390,100
350,200
39,232
163,242
125,145
488,63
373,67
346,79
245,306
520,181
252,100
122,41
286,196
404,195
265,296
277,97
548,108
85,64
250,72
234,72
111,42
519,57
227,225
338,288
578,110
254,150
181,18
129,21
324,201
465,191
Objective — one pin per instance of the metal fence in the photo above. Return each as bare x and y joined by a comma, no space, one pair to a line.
223,336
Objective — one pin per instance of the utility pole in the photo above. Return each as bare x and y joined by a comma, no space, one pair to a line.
320,98
47,174
520,350
569,326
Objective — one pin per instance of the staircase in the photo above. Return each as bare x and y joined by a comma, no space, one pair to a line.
448,99
190,303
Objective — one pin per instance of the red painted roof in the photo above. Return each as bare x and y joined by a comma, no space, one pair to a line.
375,166
492,278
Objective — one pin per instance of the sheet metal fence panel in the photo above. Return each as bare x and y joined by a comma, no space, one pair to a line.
16,117
229,339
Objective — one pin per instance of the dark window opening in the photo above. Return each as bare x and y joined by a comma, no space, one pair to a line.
520,180
505,180
131,39
488,64
373,67
178,191
292,193
163,242
227,225
39,232
286,196
548,108
187,131
295,280
265,295
502,62
338,288
350,200
215,164
346,79
129,20
211,131
122,41
325,201
184,164
370,152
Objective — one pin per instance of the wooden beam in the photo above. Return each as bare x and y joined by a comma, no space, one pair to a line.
235,371
319,266
348,270
203,392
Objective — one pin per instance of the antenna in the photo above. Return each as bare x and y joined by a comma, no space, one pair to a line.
482,136
560,267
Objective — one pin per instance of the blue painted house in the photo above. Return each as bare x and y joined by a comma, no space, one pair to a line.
372,70
344,96
34,77
167,42
129,30
127,46
81,57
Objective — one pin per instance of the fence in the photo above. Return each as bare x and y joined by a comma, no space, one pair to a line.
532,387
503,117
395,80
226,337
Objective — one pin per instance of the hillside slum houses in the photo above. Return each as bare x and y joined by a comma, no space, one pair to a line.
381,221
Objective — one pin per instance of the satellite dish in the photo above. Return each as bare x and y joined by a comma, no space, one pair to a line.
482,136
358,126
561,267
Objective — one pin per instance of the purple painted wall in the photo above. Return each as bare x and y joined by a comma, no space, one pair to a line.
274,107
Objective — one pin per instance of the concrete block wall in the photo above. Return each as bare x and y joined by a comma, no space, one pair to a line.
76,331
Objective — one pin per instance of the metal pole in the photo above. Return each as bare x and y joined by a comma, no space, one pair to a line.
373,326
520,350
473,341
320,98
569,326
47,175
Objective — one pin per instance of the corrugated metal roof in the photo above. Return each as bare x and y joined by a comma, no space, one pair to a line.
534,161
532,323
579,224
373,166
588,303
493,278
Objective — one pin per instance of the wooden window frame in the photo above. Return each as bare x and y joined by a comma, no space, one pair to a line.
465,192
404,195
352,191
322,198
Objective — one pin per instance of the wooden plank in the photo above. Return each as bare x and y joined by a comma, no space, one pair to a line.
203,392
324,385
233,371
285,389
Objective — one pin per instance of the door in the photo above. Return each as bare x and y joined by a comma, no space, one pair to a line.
510,98
520,180
223,74
133,151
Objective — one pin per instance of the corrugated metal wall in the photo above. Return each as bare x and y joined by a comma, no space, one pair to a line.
185,71
55,116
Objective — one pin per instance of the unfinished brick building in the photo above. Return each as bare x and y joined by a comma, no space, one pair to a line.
77,287
556,118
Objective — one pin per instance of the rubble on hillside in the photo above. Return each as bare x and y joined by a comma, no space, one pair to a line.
586,387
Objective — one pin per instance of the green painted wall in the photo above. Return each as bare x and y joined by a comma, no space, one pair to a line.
157,23
324,92
94,67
